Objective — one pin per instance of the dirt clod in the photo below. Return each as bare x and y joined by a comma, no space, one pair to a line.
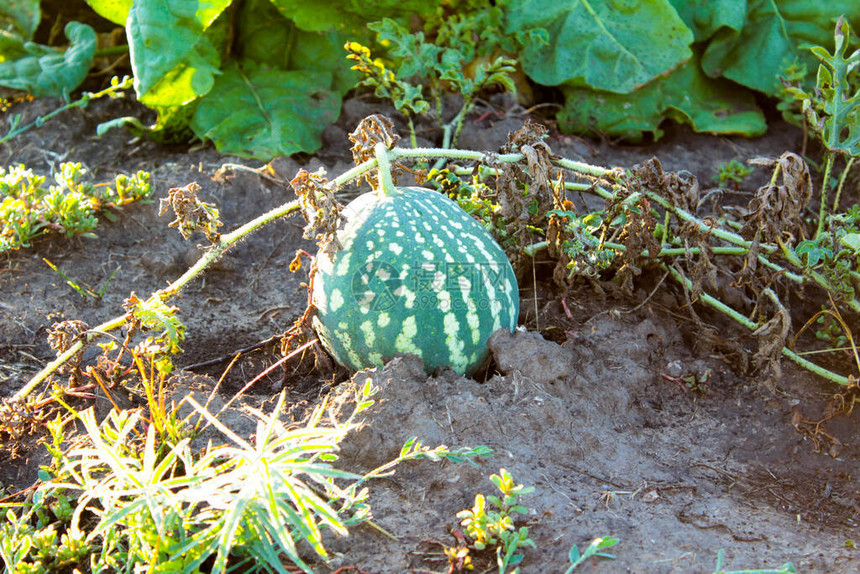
528,354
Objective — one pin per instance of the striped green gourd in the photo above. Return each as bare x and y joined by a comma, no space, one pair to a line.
416,275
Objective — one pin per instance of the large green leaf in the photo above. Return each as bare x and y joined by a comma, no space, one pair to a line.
258,112
348,15
114,10
19,18
686,95
706,17
163,34
265,37
45,71
18,21
609,45
771,38
191,78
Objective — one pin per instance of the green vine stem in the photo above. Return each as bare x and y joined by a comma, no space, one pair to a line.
795,261
842,179
382,162
116,86
225,242
818,278
462,154
705,227
825,184
714,302
736,239
413,139
743,320
742,247
109,51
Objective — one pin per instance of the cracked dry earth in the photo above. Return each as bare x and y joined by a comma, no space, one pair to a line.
577,407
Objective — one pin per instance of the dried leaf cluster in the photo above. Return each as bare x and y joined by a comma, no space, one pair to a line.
191,213
372,130
320,208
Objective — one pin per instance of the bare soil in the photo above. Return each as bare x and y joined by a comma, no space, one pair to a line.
583,406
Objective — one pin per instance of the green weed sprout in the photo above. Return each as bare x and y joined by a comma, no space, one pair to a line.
490,522
31,541
832,111
595,548
732,171
787,568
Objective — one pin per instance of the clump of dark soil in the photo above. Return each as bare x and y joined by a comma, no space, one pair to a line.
589,406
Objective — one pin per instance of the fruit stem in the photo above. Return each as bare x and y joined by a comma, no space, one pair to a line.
386,182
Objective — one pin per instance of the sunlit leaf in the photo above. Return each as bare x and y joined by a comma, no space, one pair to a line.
114,10
165,34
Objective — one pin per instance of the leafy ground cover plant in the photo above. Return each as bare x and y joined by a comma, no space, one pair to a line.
733,173
464,57
29,209
124,497
490,522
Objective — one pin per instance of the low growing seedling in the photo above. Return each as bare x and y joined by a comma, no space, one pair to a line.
733,171
82,290
596,548
41,539
490,522
29,209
